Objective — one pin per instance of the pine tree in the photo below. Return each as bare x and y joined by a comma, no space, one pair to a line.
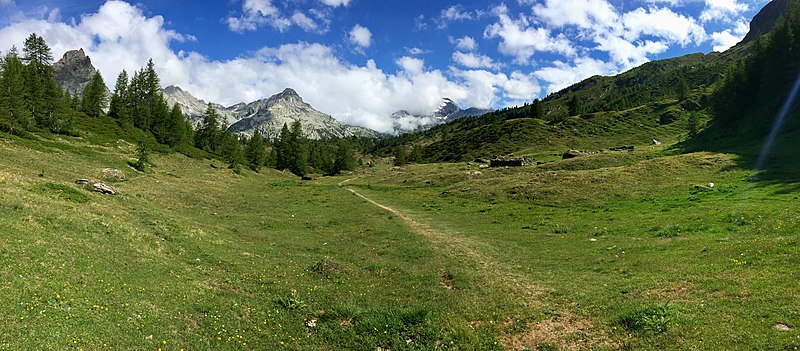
574,106
682,87
95,98
207,135
255,153
298,150
231,150
538,109
14,114
119,99
43,91
281,148
345,157
399,156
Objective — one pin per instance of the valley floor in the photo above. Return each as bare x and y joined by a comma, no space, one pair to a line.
619,250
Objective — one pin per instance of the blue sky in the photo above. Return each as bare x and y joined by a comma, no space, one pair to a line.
361,60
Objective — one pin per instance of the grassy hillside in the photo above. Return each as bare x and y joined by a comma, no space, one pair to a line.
618,250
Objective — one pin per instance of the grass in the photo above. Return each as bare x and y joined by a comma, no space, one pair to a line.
614,251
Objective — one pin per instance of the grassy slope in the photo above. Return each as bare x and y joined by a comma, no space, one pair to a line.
195,257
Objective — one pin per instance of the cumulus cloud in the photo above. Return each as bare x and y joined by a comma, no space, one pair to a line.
561,74
472,60
258,13
727,38
580,13
662,23
722,10
521,41
466,43
360,36
119,36
336,3
456,13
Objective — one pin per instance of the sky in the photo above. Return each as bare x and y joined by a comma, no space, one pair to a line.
362,60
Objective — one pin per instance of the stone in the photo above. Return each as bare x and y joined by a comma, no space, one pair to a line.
782,327
656,142
82,181
574,153
103,188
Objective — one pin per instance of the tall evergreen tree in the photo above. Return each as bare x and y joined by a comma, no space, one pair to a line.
281,148
255,154
345,157
574,105
207,135
119,99
14,114
298,149
231,150
95,98
43,91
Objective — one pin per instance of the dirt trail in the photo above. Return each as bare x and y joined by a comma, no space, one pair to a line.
568,332
458,246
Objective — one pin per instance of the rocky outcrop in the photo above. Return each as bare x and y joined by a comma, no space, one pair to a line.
74,71
193,108
765,19
269,115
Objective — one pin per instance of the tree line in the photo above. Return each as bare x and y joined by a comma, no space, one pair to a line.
31,100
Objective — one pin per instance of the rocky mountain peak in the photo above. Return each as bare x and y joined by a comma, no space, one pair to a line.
74,71
765,19
447,108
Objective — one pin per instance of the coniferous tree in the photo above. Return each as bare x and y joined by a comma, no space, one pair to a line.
281,148
399,156
207,135
231,150
298,150
255,153
95,99
537,109
14,114
43,91
345,157
574,105
119,99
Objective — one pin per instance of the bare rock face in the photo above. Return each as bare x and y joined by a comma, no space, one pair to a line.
269,116
74,71
193,108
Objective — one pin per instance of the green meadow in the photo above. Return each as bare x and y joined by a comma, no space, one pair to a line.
619,250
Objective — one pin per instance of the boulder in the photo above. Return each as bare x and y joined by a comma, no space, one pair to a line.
656,142
103,188
574,153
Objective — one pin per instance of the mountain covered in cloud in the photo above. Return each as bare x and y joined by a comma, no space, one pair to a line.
267,115
448,111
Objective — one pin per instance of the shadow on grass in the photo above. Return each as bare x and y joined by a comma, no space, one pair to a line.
782,169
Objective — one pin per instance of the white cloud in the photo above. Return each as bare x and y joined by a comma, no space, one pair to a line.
456,13
4,3
662,23
628,54
466,43
119,36
727,38
304,22
336,3
561,75
472,60
360,36
722,10
521,41
259,13
585,14
417,51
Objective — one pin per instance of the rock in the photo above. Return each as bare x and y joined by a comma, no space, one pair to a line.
306,178
711,185
782,327
481,160
507,162
593,240
691,105
574,153
621,148
103,188
82,181
656,142
74,71
111,173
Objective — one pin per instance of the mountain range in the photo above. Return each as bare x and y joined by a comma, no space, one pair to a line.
448,111
75,70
